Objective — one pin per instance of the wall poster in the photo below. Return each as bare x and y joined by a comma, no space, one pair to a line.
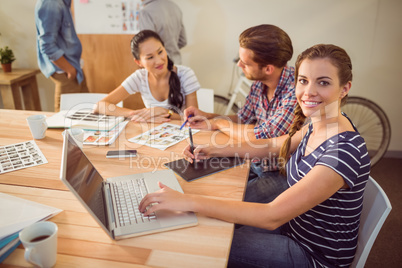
106,16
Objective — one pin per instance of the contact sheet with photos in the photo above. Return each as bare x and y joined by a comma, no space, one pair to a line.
163,136
20,155
100,137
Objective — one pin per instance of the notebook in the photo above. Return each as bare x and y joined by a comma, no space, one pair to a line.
196,170
83,118
101,197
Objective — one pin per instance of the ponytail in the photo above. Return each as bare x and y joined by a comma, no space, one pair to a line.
297,124
175,98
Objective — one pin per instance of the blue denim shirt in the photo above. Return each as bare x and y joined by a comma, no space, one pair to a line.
56,36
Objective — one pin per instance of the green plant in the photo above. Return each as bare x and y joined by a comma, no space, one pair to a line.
6,55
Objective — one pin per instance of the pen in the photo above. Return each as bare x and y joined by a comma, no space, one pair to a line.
185,122
191,141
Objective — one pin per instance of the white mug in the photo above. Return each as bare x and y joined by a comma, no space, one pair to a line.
37,125
40,242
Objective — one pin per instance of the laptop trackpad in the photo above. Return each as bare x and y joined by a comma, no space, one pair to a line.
167,177
172,218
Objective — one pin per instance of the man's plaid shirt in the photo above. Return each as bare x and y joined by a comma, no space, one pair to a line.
271,119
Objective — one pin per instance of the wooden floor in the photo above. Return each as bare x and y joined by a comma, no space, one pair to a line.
387,249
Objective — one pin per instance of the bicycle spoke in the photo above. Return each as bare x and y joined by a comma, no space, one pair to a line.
372,123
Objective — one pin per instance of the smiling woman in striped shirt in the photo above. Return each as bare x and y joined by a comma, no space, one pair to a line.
315,221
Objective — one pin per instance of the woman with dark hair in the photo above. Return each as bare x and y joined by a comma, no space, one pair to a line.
165,89
315,221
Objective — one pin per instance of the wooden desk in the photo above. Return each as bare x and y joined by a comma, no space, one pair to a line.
81,242
20,87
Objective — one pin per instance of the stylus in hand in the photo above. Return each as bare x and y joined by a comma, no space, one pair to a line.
191,141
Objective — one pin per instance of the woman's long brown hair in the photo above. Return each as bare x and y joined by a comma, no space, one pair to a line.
340,59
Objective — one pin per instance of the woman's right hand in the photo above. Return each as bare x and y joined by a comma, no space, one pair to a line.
166,198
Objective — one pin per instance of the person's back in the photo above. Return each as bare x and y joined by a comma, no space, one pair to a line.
165,18
59,48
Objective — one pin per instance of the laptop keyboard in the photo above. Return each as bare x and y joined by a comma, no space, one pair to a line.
128,195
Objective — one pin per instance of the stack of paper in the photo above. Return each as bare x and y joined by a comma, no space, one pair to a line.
7,245
16,214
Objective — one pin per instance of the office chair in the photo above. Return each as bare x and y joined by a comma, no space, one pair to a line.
376,207
78,101
205,98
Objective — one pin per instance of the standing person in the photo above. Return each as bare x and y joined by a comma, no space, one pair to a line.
166,89
58,48
315,222
165,18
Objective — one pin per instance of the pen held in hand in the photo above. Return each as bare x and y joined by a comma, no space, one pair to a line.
191,141
185,122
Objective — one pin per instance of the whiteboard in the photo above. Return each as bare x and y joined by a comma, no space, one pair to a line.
106,16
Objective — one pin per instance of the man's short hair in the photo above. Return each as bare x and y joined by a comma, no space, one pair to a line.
269,43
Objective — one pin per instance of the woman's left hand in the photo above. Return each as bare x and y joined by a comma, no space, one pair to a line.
154,114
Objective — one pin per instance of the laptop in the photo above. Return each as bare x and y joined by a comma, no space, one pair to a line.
113,202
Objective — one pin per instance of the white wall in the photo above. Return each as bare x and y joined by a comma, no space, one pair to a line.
17,29
369,30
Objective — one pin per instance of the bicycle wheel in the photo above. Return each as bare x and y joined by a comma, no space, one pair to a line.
372,123
220,104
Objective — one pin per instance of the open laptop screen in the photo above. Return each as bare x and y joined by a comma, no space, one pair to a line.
85,180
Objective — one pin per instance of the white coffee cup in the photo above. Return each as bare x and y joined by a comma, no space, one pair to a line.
37,124
40,242
78,135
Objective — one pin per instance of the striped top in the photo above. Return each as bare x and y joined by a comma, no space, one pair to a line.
138,82
329,231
